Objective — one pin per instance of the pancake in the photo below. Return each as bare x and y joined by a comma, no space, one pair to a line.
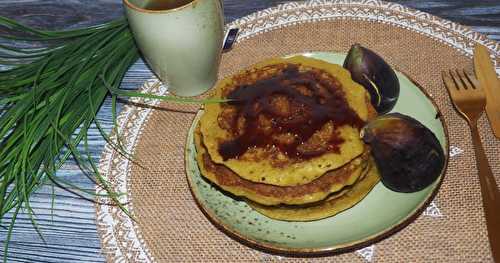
289,122
338,202
266,194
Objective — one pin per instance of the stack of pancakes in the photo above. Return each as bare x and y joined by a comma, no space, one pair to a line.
287,141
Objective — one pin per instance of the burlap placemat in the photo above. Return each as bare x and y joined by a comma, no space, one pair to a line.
169,227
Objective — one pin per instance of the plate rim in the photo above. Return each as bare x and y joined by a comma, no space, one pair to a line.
327,250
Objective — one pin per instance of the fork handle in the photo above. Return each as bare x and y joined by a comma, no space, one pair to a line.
490,195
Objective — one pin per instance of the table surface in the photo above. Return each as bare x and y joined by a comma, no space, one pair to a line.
69,229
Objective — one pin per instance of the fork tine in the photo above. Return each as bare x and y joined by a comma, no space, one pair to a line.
472,79
458,83
465,80
448,82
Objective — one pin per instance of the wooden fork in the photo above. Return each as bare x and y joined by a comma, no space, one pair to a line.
469,100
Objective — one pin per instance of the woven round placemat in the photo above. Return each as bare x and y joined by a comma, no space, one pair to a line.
169,227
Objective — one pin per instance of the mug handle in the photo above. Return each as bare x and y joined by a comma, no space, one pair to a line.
222,5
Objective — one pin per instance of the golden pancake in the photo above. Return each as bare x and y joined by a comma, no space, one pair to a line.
340,201
289,122
266,194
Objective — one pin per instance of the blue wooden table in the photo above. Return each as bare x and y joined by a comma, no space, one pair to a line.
68,222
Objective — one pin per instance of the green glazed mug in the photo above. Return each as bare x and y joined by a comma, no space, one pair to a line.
182,45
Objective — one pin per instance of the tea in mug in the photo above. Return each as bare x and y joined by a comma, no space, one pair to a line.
165,4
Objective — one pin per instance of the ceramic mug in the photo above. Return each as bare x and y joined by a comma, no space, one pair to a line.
182,45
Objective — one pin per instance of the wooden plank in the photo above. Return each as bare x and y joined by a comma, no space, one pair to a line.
70,229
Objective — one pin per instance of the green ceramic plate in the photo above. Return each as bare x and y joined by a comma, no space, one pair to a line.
368,221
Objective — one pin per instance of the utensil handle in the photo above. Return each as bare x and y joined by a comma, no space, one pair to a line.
490,195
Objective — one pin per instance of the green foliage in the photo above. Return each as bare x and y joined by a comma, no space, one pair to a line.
46,94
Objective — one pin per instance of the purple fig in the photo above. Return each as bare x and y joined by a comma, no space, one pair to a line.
372,72
408,155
